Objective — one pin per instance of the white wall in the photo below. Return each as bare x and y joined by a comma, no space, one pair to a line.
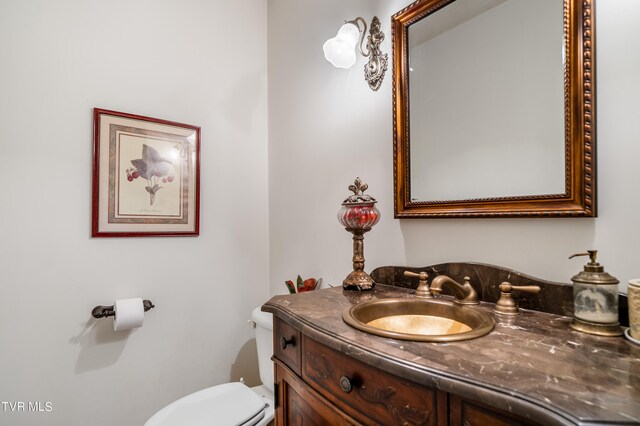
198,62
326,127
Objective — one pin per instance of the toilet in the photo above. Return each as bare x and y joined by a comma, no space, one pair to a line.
230,403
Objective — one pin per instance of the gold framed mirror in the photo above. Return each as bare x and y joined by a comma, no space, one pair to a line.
494,109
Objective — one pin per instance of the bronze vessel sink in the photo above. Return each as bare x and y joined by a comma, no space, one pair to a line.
421,320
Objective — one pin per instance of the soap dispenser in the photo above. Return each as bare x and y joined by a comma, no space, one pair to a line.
595,299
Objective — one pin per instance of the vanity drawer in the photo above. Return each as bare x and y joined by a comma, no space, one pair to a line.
286,344
353,386
464,412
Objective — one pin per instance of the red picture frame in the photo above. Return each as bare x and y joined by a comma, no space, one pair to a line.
146,176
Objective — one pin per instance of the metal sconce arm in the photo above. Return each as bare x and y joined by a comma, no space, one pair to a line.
363,32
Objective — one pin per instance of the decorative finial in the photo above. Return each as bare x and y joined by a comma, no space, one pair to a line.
359,196
358,186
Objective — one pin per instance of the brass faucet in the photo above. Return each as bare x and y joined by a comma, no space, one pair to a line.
422,291
505,305
465,294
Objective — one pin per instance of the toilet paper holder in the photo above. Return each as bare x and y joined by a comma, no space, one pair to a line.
102,311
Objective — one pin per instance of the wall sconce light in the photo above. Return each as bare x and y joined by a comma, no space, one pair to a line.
340,50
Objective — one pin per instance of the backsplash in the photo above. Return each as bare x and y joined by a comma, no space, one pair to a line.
554,298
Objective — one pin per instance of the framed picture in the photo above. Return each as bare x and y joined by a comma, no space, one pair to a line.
146,176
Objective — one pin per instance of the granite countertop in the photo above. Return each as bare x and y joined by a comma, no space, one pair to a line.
533,364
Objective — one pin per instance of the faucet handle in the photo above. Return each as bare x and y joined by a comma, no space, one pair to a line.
507,288
506,305
421,275
423,290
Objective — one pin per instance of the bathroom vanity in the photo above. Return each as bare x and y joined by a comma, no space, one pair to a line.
532,369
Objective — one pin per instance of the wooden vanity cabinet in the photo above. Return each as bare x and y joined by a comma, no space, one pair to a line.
318,385
468,413
297,404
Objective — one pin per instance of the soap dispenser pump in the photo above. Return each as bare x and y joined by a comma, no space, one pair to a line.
595,299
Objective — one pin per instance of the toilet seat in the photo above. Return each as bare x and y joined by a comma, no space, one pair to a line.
230,404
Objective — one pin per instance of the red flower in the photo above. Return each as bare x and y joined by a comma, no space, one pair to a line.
302,286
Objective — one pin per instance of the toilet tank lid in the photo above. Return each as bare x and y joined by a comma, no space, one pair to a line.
263,319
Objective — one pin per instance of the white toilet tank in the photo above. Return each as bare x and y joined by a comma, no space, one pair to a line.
264,344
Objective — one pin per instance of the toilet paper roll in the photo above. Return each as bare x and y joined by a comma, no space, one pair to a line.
129,313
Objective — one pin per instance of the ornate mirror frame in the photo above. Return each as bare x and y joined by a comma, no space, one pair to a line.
579,199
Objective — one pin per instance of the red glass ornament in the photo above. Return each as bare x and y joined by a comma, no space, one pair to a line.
358,215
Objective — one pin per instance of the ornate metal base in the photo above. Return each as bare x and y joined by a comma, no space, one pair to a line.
598,329
358,280
376,67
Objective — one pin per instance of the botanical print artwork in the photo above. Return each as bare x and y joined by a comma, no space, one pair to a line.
150,176
146,176
153,168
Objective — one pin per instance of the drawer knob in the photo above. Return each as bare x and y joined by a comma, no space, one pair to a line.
345,384
284,342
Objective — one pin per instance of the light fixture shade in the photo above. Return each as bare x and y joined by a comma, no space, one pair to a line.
341,49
